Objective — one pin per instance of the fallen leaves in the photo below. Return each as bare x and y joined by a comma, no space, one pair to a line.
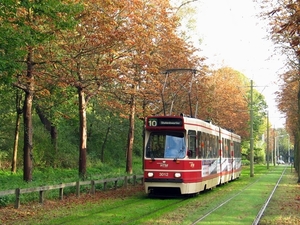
9,215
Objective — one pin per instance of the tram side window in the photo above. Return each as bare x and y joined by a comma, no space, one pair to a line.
237,150
200,145
226,148
223,148
192,144
229,149
213,146
206,145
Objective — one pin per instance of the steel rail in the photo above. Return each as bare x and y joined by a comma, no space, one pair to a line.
262,210
229,199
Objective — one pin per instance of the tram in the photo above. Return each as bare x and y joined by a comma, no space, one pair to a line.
186,155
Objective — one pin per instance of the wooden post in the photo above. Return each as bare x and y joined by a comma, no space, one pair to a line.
17,203
41,198
134,180
77,189
93,188
104,186
116,181
61,193
125,181
142,180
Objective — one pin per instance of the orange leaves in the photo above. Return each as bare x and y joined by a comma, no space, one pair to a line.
284,22
287,98
224,100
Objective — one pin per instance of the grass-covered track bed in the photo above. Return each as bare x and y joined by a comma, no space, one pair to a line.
132,206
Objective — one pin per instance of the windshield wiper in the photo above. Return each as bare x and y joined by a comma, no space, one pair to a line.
152,156
178,154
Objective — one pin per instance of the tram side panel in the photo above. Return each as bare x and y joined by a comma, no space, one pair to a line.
225,156
237,156
230,155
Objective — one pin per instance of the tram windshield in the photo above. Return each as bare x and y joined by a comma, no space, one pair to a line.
166,145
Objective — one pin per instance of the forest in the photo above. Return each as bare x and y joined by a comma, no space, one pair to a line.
79,77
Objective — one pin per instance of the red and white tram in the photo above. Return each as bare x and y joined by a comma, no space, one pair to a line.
188,155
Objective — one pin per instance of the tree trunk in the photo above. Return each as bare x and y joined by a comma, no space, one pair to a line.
82,133
16,141
297,150
27,116
53,133
17,132
130,136
104,143
28,154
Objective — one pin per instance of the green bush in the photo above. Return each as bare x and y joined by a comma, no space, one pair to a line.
245,162
4,200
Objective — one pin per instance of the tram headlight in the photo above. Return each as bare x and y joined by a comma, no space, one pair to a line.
150,174
177,175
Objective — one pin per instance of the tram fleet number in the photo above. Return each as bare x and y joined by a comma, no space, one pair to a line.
163,174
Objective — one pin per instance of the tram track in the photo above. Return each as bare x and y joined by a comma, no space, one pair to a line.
262,210
146,207
225,202
222,205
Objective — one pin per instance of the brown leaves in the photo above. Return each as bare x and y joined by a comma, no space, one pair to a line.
226,103
33,210
285,26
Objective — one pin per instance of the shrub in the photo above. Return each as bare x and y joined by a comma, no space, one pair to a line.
245,162
4,200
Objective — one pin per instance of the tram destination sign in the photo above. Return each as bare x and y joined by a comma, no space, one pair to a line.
165,122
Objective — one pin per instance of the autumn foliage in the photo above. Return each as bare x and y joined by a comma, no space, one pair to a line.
283,17
125,56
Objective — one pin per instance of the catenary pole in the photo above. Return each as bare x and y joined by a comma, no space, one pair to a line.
268,141
251,132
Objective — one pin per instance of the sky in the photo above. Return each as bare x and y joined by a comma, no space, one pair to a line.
232,35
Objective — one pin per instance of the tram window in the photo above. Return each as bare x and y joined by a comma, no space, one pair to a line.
200,145
226,148
217,145
192,144
223,148
237,151
166,145
213,147
175,146
155,145
206,145
209,152
230,149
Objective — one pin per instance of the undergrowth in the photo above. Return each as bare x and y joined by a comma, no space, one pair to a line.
51,176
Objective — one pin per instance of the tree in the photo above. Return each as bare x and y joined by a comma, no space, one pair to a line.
38,24
87,58
287,103
285,32
226,103
17,131
144,57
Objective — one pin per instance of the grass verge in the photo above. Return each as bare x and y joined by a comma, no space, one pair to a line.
124,205
284,207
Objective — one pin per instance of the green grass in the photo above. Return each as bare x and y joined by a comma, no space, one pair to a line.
136,209
285,205
50,176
